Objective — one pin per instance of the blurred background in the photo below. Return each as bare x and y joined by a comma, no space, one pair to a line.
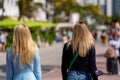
44,16
51,23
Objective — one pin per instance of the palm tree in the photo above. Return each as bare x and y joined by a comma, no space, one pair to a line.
27,8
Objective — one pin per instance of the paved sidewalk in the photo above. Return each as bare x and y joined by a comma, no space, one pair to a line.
55,74
51,60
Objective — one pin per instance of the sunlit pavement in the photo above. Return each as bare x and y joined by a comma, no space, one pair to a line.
50,58
101,63
51,61
55,74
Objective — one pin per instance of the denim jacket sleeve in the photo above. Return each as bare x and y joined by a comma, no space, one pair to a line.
9,65
37,67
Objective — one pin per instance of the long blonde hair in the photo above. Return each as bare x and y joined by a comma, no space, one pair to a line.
82,39
23,44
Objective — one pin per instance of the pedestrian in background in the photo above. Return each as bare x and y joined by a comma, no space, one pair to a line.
111,57
3,40
22,59
117,37
84,65
64,37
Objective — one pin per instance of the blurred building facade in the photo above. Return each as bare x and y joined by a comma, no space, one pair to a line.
100,3
112,7
11,9
108,8
87,2
116,6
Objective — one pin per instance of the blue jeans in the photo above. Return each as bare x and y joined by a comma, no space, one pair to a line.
79,75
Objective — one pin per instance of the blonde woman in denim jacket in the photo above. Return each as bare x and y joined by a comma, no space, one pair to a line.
22,59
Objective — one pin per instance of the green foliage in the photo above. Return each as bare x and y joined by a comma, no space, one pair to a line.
9,39
57,20
0,3
115,17
10,24
33,24
68,6
71,6
27,8
48,35
91,27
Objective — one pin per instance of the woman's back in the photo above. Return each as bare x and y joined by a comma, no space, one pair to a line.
81,63
81,44
25,72
23,62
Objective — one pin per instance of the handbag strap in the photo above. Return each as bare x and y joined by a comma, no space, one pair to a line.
73,60
30,68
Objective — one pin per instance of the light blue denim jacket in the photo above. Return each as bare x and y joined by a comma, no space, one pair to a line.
15,72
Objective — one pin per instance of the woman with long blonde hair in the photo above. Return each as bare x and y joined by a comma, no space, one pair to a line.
23,61
82,45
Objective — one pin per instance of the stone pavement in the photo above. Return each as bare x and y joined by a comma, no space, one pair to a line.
50,58
55,74
2,66
51,61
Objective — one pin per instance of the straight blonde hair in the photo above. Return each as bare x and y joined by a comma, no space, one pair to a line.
23,44
82,39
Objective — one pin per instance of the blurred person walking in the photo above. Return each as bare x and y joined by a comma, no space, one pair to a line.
69,33
64,37
111,55
78,58
117,36
3,36
115,31
22,59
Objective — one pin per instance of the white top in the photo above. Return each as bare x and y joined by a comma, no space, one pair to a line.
2,38
117,45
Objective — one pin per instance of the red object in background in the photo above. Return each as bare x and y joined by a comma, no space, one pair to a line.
95,36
